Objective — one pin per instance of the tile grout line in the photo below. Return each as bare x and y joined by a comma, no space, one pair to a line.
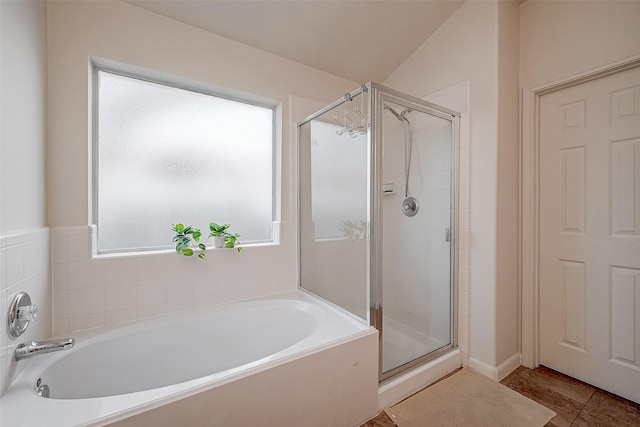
582,409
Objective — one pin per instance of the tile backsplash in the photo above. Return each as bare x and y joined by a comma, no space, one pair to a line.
90,292
24,266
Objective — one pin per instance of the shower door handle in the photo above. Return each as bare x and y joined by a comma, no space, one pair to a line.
447,234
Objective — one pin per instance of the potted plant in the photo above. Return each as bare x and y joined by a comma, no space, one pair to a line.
187,240
222,238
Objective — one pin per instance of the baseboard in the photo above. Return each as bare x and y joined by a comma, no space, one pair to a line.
495,373
483,369
508,366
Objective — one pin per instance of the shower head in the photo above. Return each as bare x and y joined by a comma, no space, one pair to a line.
399,116
394,112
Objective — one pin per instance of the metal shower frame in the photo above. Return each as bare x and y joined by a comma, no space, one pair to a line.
378,95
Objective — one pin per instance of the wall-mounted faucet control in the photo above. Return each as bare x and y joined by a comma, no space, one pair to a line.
21,312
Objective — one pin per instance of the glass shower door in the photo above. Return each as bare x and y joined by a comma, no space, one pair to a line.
416,212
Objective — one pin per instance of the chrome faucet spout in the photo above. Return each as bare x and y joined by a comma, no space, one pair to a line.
33,348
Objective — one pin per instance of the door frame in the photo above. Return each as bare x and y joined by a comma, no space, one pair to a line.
530,202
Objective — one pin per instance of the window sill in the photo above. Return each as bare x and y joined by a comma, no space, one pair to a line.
133,254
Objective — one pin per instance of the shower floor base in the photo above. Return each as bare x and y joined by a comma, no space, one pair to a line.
402,344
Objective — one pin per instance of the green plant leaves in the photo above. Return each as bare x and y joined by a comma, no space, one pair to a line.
217,229
187,238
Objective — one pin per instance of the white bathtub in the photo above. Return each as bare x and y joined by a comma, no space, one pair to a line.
247,363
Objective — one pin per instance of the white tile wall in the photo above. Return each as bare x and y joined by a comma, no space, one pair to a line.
24,266
92,291
464,237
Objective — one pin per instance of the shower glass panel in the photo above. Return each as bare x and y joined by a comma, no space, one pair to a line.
416,229
334,176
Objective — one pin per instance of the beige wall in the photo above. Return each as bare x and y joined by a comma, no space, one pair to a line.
507,313
559,39
124,33
23,122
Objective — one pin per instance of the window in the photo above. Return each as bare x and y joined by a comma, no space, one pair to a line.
165,155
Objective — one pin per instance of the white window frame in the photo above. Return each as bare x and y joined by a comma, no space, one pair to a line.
125,70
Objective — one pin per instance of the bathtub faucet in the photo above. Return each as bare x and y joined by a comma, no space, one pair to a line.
33,348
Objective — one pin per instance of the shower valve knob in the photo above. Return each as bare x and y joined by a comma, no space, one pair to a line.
28,312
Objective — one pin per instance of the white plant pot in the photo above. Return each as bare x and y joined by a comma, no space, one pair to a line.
218,241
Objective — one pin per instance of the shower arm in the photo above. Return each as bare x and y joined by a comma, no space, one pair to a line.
408,144
408,148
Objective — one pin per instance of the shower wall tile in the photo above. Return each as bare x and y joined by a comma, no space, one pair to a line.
463,259
3,309
463,342
151,292
120,316
464,157
32,254
24,266
463,300
463,195
86,274
87,301
178,290
95,291
78,245
60,277
464,177
464,236
463,221
4,366
180,305
151,267
463,240
3,266
15,264
152,310
88,321
61,302
463,282
119,271
60,326
120,297
463,322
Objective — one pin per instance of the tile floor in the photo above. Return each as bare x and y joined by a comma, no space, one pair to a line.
576,403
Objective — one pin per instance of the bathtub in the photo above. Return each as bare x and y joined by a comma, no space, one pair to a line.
288,358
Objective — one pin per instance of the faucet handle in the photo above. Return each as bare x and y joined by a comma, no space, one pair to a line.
27,312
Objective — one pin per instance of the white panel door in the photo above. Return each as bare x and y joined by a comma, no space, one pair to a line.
590,232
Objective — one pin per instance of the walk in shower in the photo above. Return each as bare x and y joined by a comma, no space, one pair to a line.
377,218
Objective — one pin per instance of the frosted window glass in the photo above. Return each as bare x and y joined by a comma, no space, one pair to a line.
168,155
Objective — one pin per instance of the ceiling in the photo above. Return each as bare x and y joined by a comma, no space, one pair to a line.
358,40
